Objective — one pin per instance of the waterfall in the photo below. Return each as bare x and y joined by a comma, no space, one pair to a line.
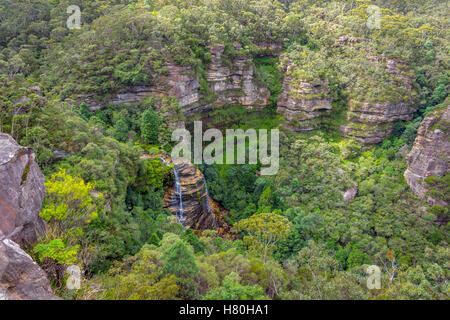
178,192
180,196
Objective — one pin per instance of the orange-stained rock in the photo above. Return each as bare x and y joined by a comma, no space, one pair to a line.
197,213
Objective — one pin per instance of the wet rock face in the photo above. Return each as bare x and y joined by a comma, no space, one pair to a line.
21,193
430,153
371,122
197,214
20,277
235,84
302,103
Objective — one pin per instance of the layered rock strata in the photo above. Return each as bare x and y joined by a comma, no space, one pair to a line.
429,156
235,83
371,122
197,213
303,103
230,82
180,82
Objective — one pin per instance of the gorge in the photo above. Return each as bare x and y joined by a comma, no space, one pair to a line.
359,116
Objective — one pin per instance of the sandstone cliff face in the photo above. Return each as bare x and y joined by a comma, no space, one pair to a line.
183,85
180,82
301,104
197,212
371,122
21,193
20,277
304,103
430,153
235,84
231,84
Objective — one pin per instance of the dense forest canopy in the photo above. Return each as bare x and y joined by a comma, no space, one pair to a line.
292,235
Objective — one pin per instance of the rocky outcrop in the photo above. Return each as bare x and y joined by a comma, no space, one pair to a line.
20,277
235,84
183,84
430,154
180,83
197,212
370,116
270,48
371,122
303,103
351,193
230,82
21,193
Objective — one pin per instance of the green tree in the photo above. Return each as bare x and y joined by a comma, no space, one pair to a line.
180,261
266,201
57,251
121,130
264,231
154,239
231,289
139,278
70,205
149,126
84,111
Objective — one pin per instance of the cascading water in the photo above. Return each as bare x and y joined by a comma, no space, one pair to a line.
178,190
179,193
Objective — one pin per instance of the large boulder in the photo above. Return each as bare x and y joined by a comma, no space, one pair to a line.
429,156
21,193
351,193
20,277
